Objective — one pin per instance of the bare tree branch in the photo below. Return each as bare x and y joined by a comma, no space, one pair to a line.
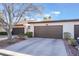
12,14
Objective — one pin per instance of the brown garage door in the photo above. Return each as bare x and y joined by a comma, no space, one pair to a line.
48,31
76,31
18,31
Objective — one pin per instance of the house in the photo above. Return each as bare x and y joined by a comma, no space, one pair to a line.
54,29
22,27
49,29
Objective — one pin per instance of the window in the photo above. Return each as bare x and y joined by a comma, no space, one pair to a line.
28,27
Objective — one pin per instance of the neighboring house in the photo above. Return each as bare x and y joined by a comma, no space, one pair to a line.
18,29
22,27
49,29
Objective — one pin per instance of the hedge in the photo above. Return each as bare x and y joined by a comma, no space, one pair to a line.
3,33
29,34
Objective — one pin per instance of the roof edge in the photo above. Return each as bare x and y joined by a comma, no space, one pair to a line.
71,20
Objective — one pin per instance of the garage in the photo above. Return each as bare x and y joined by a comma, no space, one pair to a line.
17,31
55,31
76,31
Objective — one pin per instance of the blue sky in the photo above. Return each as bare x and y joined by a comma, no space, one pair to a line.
60,11
66,11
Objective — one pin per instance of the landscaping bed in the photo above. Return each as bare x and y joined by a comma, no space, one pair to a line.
6,42
71,50
74,51
71,44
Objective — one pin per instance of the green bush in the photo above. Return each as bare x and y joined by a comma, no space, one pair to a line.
67,35
72,42
29,34
3,33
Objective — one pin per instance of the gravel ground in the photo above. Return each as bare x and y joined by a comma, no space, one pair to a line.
72,51
4,42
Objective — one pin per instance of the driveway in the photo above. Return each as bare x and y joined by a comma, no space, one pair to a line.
40,47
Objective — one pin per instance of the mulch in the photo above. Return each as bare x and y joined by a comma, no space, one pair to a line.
5,43
71,50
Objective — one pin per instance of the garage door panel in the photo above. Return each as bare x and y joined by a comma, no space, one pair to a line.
76,31
48,31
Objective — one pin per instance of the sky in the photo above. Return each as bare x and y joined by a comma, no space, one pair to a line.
61,11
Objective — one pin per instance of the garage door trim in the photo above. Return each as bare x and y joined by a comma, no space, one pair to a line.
54,26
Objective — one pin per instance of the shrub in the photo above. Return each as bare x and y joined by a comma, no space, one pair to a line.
29,34
72,42
67,35
3,33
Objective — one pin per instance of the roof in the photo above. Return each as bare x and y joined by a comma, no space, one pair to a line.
70,20
19,25
26,21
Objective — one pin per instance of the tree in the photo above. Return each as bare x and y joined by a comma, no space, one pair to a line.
47,18
11,14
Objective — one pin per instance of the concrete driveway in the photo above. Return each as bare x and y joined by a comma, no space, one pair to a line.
40,47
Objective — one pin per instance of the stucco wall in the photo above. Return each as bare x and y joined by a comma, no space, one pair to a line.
1,29
68,28
31,29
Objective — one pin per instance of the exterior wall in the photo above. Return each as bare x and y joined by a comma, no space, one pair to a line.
67,26
1,29
31,29
25,28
